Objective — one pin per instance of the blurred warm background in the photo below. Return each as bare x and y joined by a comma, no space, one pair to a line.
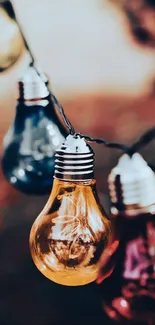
103,72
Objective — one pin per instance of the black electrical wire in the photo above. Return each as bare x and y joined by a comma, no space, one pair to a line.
61,111
107,144
146,138
10,9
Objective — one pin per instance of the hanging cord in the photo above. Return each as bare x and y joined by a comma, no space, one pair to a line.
55,100
62,113
9,7
32,63
147,137
86,137
106,143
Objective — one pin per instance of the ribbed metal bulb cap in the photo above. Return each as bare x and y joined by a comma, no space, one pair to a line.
74,160
33,85
132,186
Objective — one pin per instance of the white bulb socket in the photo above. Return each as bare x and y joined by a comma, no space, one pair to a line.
132,185
33,85
74,160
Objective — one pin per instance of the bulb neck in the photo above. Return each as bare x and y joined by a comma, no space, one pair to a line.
74,160
33,86
131,210
35,102
88,182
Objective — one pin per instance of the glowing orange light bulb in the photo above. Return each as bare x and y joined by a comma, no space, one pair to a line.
68,237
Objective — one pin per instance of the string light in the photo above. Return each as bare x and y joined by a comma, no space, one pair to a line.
69,235
71,232
147,137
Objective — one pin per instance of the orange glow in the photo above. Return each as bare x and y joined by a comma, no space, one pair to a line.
70,234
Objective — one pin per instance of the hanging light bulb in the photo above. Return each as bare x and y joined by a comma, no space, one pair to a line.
11,41
131,296
67,238
31,142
